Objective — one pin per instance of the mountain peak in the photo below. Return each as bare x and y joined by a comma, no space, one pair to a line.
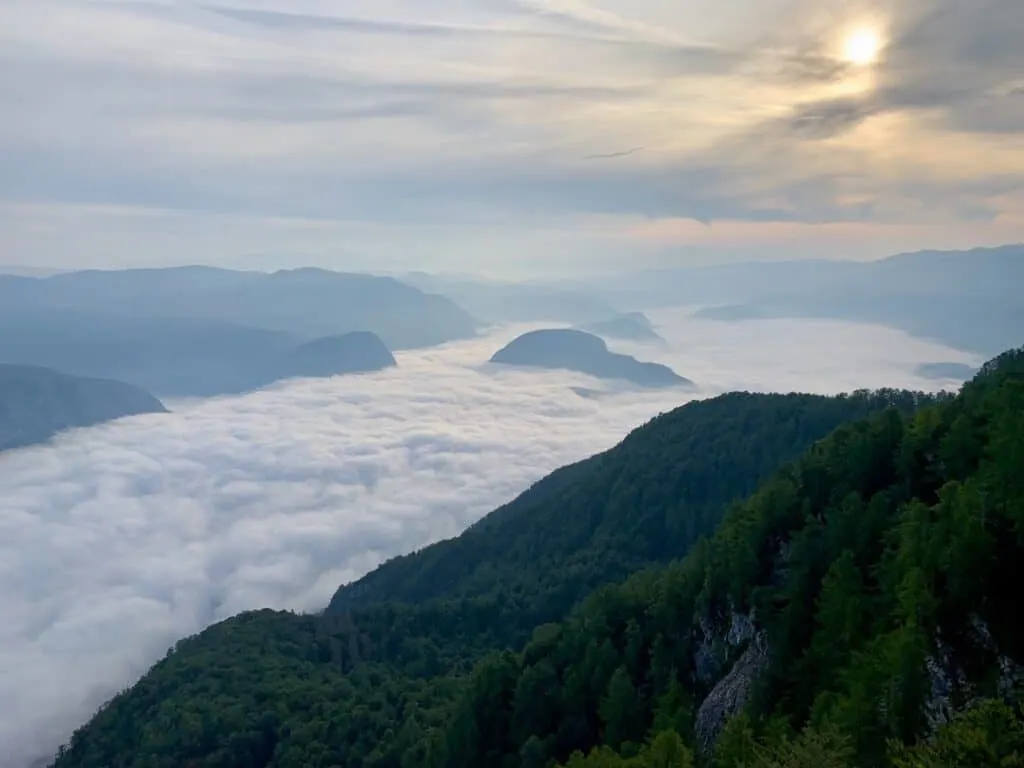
575,350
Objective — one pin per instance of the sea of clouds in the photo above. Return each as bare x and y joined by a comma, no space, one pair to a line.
116,541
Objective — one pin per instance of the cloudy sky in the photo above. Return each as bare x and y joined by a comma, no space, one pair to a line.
118,540
506,136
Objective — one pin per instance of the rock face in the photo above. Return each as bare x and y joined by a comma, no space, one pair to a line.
37,403
950,687
729,695
576,350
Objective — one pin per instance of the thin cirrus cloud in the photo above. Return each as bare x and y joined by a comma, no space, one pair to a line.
510,122
118,540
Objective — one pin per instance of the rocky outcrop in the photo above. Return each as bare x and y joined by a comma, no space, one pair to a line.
944,679
950,689
719,639
731,693
706,662
730,641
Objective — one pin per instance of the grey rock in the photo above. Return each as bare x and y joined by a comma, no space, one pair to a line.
741,629
731,693
938,706
706,663
1011,673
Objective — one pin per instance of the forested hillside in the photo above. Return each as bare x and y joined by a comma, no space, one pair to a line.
857,600
866,596
646,501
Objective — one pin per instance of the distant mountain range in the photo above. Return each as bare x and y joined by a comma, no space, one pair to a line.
970,300
24,271
575,350
631,326
198,331
498,302
37,403
179,357
305,302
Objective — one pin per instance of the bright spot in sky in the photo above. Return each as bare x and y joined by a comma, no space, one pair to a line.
862,47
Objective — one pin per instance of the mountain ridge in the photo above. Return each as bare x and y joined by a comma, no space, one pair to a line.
302,303
178,357
38,403
584,352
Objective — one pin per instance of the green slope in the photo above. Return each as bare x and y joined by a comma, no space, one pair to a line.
859,601
367,682
645,501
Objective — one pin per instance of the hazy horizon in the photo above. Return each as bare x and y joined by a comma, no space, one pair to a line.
482,276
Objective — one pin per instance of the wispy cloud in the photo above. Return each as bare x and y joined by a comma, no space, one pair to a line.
613,155
383,111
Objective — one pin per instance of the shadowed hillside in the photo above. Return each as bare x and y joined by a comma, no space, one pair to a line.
37,403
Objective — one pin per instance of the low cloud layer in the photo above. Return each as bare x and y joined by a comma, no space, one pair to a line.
118,540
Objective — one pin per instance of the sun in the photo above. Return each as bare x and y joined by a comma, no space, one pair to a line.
862,47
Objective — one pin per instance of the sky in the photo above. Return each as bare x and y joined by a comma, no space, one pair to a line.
118,540
506,137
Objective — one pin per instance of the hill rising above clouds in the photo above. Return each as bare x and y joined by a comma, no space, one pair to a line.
179,357
38,403
965,299
574,350
306,303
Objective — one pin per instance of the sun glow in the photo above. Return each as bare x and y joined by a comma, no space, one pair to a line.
862,47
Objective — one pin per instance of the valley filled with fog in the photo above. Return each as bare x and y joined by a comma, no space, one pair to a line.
116,541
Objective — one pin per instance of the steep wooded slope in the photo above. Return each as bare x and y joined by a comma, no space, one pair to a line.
643,502
865,597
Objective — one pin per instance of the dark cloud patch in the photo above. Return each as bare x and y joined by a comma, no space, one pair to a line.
961,62
811,67
825,119
960,59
